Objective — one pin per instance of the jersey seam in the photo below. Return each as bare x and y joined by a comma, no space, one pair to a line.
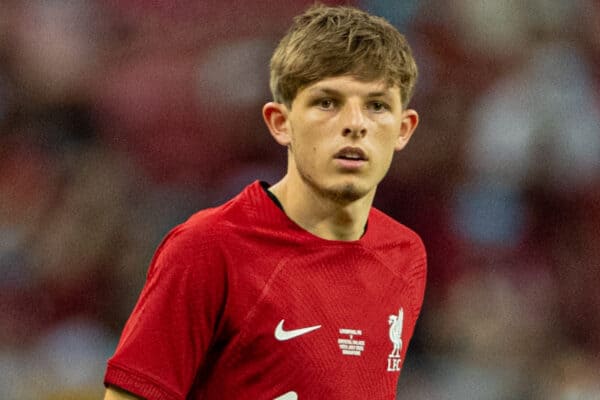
239,338
418,262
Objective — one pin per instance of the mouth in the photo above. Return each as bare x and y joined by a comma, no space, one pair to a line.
351,154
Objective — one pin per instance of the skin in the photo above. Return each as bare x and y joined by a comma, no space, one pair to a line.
325,194
113,393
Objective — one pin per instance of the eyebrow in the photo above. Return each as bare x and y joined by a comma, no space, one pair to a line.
334,92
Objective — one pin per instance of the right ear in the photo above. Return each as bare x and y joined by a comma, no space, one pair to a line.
276,118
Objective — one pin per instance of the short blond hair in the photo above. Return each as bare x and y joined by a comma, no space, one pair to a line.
333,41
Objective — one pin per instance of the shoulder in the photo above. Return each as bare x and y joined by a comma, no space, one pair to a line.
202,238
213,224
386,229
403,251
397,246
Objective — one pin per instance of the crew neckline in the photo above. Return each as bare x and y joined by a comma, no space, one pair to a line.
275,201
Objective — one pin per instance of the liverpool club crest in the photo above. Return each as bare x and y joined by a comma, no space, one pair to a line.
395,322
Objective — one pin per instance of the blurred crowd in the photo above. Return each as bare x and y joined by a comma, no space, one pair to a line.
118,119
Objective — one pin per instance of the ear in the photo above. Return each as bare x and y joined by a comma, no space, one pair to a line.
410,120
276,118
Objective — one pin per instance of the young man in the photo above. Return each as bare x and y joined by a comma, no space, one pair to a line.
300,290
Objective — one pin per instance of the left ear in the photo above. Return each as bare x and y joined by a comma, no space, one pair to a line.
410,120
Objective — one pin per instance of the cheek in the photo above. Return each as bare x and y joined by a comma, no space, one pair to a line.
306,138
386,151
389,136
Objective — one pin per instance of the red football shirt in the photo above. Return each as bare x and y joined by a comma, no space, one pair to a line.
241,303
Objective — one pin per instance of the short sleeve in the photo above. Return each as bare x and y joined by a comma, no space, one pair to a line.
170,330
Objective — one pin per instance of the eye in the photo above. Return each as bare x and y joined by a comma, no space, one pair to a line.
378,106
326,104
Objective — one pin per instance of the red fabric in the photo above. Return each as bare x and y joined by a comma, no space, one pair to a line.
221,282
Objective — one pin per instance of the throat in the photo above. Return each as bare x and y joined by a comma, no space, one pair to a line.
324,216
339,231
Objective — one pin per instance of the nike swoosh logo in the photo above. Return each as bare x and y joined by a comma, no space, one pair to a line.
282,335
288,396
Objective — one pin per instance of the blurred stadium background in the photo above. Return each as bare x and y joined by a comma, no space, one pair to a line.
118,119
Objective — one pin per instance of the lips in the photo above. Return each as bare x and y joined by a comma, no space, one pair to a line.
351,153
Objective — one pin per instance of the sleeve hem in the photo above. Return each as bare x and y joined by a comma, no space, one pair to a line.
136,384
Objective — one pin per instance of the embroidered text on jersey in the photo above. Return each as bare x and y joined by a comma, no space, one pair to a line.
395,322
281,334
349,345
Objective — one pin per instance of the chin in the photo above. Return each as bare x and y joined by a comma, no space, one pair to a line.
346,192
342,190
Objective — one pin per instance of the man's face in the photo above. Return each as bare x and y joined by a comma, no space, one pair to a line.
343,133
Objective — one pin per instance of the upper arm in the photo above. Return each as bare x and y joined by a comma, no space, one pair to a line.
176,316
114,393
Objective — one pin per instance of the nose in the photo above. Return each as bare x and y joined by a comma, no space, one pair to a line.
354,121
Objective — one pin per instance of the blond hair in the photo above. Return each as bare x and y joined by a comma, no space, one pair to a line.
333,41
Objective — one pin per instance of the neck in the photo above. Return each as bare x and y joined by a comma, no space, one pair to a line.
320,215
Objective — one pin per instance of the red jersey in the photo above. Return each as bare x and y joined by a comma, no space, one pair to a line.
242,303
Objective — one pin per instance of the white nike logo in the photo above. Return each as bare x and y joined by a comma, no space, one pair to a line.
281,334
287,396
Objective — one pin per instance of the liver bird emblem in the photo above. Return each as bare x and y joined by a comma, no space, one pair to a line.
396,322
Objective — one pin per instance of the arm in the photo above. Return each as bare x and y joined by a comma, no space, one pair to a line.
114,393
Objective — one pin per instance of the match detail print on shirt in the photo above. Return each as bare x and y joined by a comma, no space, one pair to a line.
349,344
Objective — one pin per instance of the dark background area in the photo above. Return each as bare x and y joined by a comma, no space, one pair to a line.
118,119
